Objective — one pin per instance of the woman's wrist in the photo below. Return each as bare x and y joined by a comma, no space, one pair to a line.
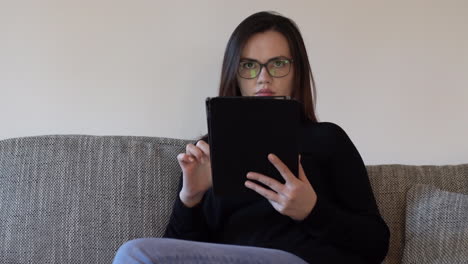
190,200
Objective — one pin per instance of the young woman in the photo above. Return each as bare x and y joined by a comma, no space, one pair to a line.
327,214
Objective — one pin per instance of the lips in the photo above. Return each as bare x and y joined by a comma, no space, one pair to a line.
264,92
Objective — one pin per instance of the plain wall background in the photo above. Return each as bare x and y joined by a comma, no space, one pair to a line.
393,74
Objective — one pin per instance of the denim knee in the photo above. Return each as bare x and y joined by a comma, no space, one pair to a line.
132,251
166,250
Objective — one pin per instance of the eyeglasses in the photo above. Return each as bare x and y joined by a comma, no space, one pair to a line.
277,67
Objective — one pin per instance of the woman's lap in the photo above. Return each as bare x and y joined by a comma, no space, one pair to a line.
175,251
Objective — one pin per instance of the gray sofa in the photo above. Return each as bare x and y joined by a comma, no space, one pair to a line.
77,198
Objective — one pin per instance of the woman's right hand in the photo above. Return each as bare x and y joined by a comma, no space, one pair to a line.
196,173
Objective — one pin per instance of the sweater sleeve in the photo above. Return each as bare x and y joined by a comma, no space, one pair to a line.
349,218
187,223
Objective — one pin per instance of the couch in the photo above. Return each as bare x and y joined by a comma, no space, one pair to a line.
77,198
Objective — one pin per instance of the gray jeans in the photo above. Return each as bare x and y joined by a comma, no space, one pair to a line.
175,251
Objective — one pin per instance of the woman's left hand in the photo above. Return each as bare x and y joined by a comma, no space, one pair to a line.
295,198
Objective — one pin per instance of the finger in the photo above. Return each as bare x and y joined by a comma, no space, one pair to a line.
270,195
302,175
268,181
204,147
182,157
282,168
301,172
195,151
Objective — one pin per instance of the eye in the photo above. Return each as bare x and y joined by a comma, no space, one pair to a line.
280,63
247,65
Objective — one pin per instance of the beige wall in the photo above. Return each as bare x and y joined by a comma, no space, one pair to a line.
393,74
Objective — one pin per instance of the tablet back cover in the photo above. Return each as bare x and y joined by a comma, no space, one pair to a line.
242,132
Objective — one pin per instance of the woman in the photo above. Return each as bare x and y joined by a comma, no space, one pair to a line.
327,214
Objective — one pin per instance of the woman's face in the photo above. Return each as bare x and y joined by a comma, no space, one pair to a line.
265,47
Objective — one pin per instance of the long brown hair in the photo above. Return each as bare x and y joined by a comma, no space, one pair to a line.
260,22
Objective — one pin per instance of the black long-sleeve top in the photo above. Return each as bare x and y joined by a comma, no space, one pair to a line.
345,225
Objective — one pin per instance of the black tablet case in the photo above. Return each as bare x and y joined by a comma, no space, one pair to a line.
242,131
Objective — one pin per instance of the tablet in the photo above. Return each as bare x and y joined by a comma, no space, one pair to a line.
242,131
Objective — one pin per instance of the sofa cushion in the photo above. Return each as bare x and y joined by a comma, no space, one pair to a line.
390,184
436,226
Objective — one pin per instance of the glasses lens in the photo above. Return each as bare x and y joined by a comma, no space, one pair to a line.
279,67
248,69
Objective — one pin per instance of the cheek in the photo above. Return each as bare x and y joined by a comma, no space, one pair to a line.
291,79
291,84
247,87
288,84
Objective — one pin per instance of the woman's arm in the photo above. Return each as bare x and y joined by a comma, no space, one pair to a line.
187,222
351,220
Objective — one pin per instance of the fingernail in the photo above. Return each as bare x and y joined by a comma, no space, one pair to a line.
190,159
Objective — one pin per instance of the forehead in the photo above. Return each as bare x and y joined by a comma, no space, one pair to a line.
266,45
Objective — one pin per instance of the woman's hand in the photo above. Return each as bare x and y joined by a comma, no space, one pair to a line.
296,198
196,172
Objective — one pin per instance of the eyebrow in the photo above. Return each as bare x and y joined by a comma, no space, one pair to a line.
277,57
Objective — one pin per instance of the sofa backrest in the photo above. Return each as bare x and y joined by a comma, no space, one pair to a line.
77,198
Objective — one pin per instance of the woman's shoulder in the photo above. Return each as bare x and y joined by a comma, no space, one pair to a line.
322,136
323,129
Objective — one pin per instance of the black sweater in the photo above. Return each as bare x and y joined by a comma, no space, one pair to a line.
345,225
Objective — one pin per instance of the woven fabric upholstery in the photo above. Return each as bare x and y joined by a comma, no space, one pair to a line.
76,199
391,183
436,226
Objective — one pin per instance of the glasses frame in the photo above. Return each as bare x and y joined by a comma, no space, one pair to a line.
264,65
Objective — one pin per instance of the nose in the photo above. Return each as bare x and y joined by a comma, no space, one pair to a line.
264,76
